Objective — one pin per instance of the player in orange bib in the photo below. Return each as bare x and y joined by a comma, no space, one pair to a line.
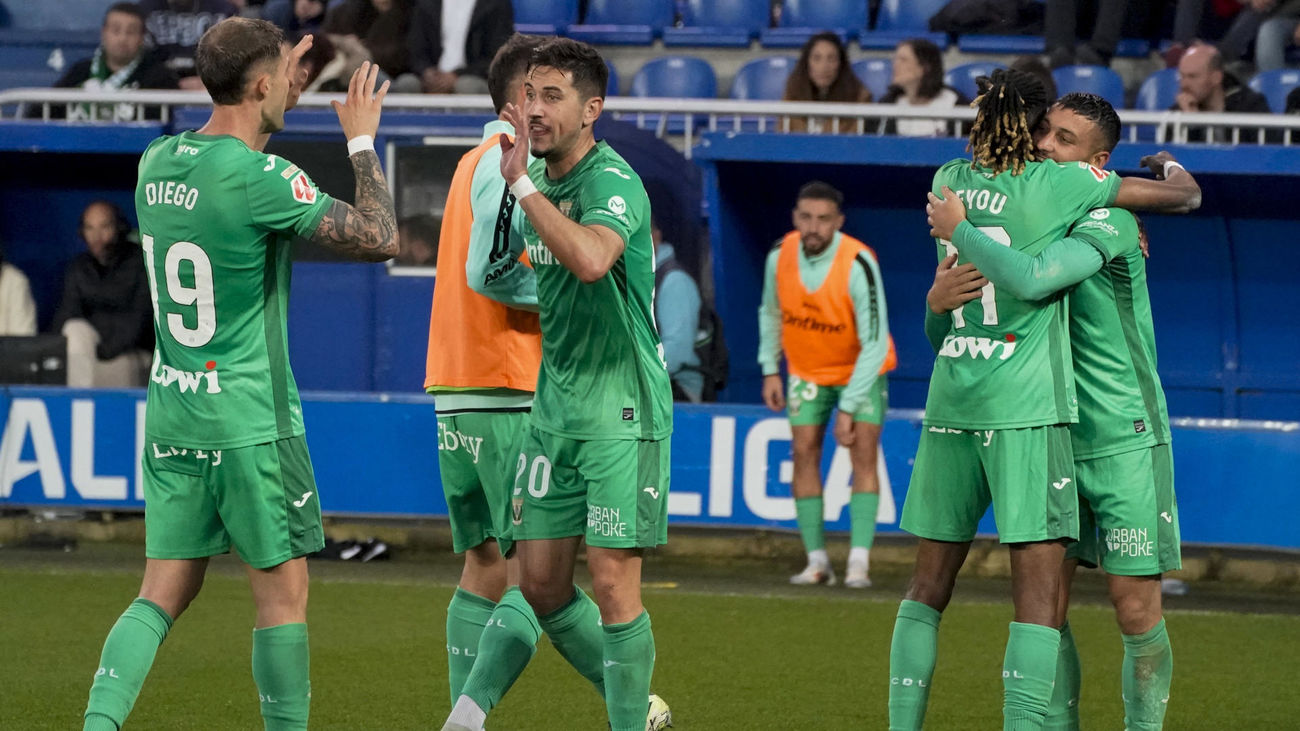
824,308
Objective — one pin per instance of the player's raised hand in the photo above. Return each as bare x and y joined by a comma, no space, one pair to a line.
297,76
359,113
1156,163
944,213
514,154
843,429
773,392
954,285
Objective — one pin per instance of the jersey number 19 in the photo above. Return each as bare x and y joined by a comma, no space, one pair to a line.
199,296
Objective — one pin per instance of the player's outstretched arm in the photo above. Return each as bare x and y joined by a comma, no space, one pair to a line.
588,251
1175,190
366,231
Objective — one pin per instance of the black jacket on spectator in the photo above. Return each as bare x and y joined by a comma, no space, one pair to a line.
152,73
1239,99
114,299
177,33
383,34
490,26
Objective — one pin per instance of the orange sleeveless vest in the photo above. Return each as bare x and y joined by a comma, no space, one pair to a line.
819,333
474,341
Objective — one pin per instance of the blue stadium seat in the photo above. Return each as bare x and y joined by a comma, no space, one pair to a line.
719,23
1017,45
762,78
545,17
876,73
962,78
1276,85
27,78
677,77
24,49
800,19
1157,93
57,14
910,16
1097,80
611,88
618,22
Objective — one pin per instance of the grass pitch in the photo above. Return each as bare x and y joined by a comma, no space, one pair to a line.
736,650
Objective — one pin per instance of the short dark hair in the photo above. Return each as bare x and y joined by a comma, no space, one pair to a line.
588,70
229,50
510,62
127,8
817,190
1034,65
1096,110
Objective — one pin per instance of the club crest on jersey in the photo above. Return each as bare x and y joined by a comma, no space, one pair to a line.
303,192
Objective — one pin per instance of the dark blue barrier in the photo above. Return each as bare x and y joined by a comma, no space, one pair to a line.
376,455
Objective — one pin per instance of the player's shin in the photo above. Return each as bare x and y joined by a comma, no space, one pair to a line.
509,641
1028,673
575,632
1147,672
912,654
467,614
1063,709
629,661
281,669
124,663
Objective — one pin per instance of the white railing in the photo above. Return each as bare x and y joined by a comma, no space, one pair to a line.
682,118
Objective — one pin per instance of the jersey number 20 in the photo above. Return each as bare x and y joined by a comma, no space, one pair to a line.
199,295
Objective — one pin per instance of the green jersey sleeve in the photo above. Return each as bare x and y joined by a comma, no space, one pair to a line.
1078,187
1113,232
283,198
769,319
1062,264
616,199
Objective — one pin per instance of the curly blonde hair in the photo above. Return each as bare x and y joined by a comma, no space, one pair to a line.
1009,107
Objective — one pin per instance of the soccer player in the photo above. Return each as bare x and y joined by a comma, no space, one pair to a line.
824,307
1122,459
226,462
482,379
595,461
1001,397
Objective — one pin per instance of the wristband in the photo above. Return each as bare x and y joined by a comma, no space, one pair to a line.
523,187
1173,164
360,143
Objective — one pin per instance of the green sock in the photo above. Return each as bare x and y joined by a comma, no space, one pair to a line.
509,641
912,655
808,514
467,614
1148,670
629,661
575,632
282,671
128,654
1028,673
862,518
1063,709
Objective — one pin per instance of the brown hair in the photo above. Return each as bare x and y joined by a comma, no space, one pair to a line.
845,88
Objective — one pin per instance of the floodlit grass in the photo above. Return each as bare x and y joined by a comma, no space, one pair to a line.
726,661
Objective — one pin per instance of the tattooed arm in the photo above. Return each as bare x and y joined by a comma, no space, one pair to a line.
367,230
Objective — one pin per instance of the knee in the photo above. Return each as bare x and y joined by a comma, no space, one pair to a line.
1135,614
544,596
806,451
934,592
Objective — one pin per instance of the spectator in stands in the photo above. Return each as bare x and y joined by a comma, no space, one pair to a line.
1276,35
417,242
452,42
918,83
1034,65
312,63
1293,101
120,63
177,26
1059,33
1203,86
17,308
823,74
1244,30
372,30
296,16
106,313
677,312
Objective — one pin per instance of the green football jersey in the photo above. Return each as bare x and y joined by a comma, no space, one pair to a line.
1121,404
603,374
217,220
1005,363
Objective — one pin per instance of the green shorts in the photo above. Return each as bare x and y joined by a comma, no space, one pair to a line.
1027,474
612,491
260,499
1128,514
477,455
810,404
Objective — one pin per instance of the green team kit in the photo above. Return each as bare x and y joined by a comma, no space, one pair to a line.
595,460
225,459
1002,391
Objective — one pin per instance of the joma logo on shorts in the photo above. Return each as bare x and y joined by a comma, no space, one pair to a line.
451,440
955,346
